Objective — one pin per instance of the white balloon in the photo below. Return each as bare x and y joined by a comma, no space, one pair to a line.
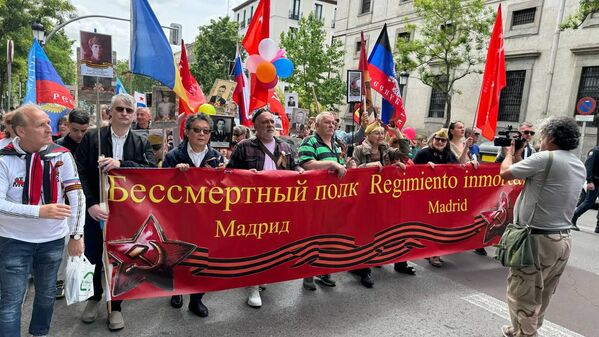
268,49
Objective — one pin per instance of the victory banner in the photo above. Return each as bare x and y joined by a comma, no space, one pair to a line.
172,232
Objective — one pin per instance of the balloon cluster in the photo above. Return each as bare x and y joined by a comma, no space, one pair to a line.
269,64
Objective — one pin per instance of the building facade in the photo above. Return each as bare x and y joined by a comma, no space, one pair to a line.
285,15
548,70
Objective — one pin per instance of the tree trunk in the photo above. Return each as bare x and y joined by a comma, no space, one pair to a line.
447,110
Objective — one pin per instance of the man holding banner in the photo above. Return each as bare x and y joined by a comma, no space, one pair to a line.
120,148
262,153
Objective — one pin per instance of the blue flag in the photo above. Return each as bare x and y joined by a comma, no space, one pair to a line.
119,89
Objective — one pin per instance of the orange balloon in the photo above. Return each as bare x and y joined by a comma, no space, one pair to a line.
266,72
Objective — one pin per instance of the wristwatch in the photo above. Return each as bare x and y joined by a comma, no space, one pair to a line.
76,236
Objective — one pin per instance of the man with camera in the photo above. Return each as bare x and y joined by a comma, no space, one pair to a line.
527,132
553,179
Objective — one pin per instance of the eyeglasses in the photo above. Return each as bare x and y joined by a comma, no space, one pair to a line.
200,130
441,140
237,134
531,133
121,109
477,134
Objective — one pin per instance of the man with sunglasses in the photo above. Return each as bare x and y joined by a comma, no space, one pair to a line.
527,133
120,148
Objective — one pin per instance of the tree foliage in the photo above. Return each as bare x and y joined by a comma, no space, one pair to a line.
316,64
586,8
449,46
133,82
16,17
214,51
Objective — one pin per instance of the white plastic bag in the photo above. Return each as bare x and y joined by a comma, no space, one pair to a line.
79,284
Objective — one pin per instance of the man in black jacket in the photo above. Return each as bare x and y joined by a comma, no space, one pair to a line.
78,125
592,166
120,148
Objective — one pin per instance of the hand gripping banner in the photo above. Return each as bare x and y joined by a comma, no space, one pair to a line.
172,232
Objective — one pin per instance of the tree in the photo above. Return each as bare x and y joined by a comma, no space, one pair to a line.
586,8
133,82
449,46
316,64
214,51
16,17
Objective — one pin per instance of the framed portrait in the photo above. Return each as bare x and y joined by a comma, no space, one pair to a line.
96,49
291,102
89,83
222,131
299,116
221,92
354,86
164,107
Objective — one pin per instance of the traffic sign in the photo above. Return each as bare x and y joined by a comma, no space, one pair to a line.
584,118
586,106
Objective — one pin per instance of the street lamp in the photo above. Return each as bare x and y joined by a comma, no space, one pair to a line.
403,81
38,31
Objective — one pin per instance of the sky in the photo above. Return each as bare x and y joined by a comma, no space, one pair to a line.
189,13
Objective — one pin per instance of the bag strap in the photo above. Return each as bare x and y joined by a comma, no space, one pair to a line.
267,152
517,206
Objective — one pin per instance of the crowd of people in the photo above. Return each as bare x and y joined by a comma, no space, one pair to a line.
31,193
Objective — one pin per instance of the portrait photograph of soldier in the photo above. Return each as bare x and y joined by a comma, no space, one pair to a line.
96,49
354,86
222,131
221,92
164,105
290,102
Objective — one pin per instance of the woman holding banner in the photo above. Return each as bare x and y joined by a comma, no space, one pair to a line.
194,151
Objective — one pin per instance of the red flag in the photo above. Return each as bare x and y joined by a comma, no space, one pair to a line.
258,29
277,108
493,82
195,96
363,67
258,94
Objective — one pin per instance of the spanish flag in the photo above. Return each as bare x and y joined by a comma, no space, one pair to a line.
151,53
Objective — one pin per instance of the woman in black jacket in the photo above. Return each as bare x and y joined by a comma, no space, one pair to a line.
194,151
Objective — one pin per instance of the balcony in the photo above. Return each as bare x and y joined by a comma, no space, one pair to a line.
294,15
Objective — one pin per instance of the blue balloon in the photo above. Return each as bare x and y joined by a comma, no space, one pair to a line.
284,67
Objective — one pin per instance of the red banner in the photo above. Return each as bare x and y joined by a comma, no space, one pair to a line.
173,232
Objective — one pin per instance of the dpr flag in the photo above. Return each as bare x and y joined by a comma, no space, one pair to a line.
381,68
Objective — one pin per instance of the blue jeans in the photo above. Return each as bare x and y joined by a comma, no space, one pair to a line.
17,260
588,202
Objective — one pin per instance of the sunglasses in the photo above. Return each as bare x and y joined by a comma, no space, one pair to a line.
442,140
237,134
531,133
121,109
200,130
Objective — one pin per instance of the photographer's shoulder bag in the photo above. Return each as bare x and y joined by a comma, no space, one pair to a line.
516,248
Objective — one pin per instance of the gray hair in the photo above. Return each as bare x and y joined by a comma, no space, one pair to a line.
197,117
124,98
563,131
324,114
526,124
144,109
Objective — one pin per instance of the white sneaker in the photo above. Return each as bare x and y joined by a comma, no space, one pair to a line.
254,299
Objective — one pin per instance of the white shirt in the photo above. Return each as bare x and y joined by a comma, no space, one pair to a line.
118,143
268,163
196,157
22,222
555,205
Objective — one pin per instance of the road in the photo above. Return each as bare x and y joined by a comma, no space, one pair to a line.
464,298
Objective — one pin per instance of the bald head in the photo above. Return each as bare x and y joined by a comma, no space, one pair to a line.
23,115
32,125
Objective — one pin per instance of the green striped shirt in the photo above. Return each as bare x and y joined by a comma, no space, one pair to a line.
314,148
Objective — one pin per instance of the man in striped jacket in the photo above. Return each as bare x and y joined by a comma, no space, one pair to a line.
35,175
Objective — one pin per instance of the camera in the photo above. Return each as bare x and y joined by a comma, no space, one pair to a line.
505,138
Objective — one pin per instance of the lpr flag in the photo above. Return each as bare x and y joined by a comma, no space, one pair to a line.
493,82
381,68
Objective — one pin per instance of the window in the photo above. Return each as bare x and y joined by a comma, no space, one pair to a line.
510,100
334,17
294,13
251,13
589,85
237,17
437,104
365,6
404,36
244,17
318,11
524,16
358,46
